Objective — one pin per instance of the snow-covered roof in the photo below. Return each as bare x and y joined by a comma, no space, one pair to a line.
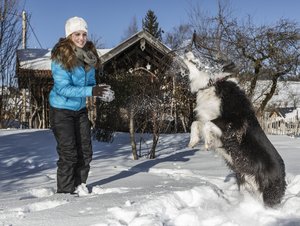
132,40
35,59
285,111
287,114
292,115
39,59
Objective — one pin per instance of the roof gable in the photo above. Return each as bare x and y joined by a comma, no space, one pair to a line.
39,59
138,37
141,50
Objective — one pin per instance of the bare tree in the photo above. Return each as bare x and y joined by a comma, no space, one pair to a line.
10,39
178,36
98,42
268,52
259,52
141,105
132,29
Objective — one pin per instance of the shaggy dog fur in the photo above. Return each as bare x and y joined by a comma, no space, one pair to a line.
227,123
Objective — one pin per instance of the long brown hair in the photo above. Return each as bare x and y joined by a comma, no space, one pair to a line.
63,52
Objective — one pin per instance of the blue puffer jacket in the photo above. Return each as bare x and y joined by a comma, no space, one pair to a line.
70,89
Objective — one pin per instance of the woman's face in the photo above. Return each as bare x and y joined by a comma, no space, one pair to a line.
79,38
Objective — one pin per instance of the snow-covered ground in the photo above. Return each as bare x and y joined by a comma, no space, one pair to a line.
181,187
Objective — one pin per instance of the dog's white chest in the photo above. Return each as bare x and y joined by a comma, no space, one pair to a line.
208,105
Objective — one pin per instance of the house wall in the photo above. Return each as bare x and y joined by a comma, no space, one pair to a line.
278,125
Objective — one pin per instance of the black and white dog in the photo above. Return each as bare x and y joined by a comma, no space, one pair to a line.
226,121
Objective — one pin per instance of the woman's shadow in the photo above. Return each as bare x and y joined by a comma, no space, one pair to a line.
145,166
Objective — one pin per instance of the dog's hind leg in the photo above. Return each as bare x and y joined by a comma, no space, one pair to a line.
273,193
240,180
195,133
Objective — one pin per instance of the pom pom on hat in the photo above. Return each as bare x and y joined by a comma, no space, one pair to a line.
75,24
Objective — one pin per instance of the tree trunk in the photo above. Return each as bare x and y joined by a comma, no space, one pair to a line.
43,110
155,136
132,132
183,123
174,108
1,115
268,96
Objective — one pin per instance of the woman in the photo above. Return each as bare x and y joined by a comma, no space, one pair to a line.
74,60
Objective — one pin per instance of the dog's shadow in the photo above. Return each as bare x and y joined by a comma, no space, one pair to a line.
145,166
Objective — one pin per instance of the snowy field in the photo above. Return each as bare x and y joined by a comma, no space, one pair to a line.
181,187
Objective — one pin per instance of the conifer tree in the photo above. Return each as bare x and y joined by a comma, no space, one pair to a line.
151,25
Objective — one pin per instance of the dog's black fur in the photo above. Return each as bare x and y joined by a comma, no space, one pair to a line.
243,139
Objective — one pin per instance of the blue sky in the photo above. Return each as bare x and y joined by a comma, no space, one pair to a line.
109,19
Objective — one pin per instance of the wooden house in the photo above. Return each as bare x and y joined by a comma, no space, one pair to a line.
283,121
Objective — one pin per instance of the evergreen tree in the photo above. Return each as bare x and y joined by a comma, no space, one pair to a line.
151,25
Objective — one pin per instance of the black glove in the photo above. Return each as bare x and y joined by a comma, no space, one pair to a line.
100,90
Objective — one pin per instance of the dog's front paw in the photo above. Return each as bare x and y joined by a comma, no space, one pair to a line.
206,147
192,144
208,144
208,140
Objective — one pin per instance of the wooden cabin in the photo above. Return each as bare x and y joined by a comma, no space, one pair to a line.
284,121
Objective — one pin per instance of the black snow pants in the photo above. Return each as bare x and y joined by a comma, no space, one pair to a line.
72,132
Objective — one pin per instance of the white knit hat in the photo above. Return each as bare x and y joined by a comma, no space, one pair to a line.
75,24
